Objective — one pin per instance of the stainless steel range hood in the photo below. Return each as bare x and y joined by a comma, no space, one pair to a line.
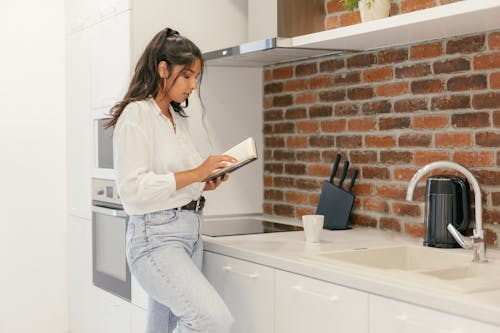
279,20
301,40
260,53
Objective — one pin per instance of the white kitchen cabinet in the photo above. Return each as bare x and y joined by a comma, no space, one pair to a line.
78,125
91,310
110,313
75,16
139,319
109,61
303,304
211,24
80,288
262,19
110,8
247,289
390,316
82,14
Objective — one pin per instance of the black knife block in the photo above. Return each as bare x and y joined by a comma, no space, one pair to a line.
335,204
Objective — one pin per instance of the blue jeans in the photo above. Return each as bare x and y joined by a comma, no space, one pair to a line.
164,253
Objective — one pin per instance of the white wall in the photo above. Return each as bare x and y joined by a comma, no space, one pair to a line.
233,100
33,296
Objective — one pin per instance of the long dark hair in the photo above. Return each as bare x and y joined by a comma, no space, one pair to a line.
168,46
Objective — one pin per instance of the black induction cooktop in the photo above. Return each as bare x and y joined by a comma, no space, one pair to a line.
243,226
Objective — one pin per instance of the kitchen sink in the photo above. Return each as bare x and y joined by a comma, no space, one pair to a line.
404,258
468,278
466,272
440,269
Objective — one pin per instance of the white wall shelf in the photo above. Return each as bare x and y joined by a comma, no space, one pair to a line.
459,18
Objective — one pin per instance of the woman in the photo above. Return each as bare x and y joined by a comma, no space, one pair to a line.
159,178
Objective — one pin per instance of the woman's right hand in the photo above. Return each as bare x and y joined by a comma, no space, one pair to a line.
211,163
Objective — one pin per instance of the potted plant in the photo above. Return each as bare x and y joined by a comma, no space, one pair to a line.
369,9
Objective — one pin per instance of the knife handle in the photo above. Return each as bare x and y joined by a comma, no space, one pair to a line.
344,173
353,179
335,167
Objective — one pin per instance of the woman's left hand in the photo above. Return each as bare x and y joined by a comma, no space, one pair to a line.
212,185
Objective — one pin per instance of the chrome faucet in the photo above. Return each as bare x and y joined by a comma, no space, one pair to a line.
476,242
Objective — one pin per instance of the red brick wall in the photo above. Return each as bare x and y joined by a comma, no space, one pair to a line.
338,16
390,112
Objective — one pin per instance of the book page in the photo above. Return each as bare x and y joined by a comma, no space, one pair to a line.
245,152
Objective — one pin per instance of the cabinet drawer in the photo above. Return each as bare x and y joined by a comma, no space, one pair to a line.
303,304
390,316
247,289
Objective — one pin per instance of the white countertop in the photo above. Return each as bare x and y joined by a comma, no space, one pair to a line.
288,251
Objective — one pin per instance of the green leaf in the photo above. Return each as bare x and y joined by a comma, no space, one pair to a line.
350,4
353,4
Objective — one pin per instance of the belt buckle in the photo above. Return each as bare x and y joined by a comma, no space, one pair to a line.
197,205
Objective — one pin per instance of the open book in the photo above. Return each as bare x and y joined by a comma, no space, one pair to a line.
245,152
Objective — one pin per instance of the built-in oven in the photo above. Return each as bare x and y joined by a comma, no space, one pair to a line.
102,161
109,228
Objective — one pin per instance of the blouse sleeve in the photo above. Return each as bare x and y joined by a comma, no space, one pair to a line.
136,182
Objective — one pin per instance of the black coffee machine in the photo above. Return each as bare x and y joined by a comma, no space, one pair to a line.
447,200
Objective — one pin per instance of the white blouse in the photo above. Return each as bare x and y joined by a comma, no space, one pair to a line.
147,152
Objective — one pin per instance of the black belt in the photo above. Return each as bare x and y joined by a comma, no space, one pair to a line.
196,205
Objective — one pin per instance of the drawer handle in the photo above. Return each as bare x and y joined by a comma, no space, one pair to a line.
229,269
420,327
309,292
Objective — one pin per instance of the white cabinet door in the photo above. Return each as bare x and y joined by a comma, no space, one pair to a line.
110,313
262,19
211,24
110,8
247,289
75,16
303,304
80,286
91,310
139,319
109,61
78,125
81,14
390,316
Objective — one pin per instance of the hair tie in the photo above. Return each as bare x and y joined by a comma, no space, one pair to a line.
171,32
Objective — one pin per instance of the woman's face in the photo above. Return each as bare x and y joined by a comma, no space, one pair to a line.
183,81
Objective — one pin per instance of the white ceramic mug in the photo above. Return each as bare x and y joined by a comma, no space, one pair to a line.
313,224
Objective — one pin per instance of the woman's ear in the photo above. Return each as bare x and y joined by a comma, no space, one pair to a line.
163,69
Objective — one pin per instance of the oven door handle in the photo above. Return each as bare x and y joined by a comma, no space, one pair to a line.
109,211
